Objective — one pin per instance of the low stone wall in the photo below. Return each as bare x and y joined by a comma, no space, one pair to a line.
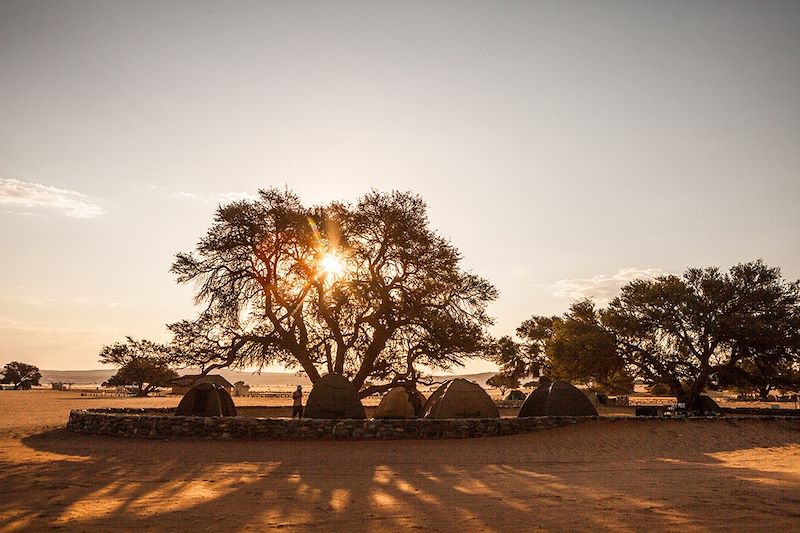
161,424
760,411
151,424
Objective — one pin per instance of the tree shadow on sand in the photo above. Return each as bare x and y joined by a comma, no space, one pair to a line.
625,477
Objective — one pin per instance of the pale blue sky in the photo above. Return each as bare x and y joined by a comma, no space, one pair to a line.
564,147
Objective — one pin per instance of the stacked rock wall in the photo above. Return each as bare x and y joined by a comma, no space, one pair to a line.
138,423
161,424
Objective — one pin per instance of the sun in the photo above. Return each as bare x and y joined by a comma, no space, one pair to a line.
331,265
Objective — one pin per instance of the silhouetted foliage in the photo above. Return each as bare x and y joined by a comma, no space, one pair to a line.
578,333
556,347
21,375
503,382
526,359
685,333
763,375
398,298
143,365
659,389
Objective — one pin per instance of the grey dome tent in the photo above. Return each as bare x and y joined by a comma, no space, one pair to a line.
558,398
459,398
395,404
333,396
206,399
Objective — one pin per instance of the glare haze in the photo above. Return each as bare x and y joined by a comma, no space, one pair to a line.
563,147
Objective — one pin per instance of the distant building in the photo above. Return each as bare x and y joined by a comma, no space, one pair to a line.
241,389
182,384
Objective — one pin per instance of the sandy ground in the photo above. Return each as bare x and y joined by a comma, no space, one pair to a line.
732,475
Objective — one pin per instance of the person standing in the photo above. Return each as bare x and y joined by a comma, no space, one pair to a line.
297,405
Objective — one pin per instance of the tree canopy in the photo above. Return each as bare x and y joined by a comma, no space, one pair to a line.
688,332
366,290
144,366
684,331
503,382
21,375
557,346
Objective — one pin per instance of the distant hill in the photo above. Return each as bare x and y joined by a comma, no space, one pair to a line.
265,379
96,377
480,379
78,377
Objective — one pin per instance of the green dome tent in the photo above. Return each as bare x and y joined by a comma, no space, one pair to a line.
206,399
333,396
558,398
395,404
515,396
459,398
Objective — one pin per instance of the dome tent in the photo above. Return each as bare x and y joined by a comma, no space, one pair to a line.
597,398
558,398
395,404
706,404
206,399
333,396
459,398
515,396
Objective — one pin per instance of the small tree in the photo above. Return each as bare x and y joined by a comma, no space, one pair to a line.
573,347
502,382
520,360
143,365
21,375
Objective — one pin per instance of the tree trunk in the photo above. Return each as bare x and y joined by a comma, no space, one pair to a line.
763,392
677,390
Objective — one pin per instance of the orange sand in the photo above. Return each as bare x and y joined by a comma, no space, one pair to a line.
732,475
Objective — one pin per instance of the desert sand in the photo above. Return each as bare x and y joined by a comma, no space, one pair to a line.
732,475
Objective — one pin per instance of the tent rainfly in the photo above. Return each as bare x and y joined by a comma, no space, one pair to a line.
206,399
333,396
459,398
183,384
515,395
558,398
395,404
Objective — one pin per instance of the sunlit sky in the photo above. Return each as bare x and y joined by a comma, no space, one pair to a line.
564,147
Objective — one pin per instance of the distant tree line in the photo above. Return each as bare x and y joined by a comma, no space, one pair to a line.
706,329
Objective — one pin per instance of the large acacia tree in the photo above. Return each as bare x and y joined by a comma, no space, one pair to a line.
366,290
684,332
687,331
